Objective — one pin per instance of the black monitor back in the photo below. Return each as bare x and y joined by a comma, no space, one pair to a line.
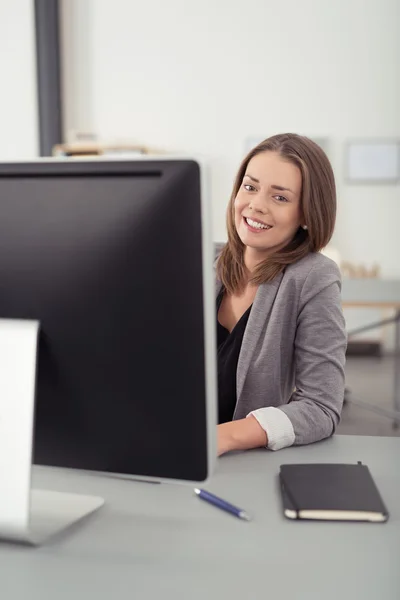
108,257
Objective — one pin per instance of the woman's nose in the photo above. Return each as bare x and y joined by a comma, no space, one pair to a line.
258,204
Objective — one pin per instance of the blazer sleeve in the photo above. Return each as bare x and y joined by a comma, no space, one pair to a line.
320,349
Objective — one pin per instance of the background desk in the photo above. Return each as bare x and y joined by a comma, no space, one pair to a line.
371,293
160,542
381,294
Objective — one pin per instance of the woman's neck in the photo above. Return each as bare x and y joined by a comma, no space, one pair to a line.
252,258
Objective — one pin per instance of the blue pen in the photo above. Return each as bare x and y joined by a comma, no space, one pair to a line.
208,497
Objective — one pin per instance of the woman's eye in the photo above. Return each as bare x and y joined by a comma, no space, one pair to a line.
249,187
281,198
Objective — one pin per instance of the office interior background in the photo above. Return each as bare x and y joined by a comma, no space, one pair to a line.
209,79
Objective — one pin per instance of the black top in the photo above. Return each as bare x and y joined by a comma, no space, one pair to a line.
228,349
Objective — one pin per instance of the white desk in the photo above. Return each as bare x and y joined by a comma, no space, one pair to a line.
160,542
378,293
371,293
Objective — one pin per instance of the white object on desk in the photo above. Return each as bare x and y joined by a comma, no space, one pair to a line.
25,515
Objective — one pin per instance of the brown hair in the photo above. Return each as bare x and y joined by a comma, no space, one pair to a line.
318,206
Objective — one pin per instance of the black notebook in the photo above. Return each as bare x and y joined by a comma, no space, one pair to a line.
332,492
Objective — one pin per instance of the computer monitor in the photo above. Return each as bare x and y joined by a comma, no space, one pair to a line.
113,259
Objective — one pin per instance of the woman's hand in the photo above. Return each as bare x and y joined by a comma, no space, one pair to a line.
240,435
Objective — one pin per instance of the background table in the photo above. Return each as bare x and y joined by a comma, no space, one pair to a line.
381,294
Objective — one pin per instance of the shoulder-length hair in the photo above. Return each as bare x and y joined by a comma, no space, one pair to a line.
317,203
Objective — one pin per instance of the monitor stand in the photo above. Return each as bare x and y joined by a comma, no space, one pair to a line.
27,516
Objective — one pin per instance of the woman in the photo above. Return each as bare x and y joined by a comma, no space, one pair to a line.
281,331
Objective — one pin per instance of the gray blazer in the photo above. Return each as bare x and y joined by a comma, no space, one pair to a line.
293,350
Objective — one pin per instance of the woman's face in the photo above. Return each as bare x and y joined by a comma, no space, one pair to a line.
267,205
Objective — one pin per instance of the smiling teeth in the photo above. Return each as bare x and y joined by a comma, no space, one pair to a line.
257,225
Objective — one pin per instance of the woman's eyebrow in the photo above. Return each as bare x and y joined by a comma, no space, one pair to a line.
252,178
280,188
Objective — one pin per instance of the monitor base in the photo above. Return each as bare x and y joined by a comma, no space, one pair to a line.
50,514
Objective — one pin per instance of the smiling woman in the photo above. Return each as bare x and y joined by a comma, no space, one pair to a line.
279,319
260,199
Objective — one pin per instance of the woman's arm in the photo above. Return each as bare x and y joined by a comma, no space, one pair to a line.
320,354
243,434
314,409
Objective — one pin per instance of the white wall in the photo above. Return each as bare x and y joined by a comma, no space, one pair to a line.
18,101
202,76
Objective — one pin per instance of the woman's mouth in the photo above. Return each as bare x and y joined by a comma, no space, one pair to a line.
256,226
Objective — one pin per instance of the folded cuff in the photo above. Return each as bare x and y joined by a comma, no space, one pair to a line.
277,426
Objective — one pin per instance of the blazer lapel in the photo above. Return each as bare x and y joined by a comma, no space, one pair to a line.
260,310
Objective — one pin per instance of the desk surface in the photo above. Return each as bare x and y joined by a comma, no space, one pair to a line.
155,541
371,292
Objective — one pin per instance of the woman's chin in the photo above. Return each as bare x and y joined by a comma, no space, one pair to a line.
255,244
